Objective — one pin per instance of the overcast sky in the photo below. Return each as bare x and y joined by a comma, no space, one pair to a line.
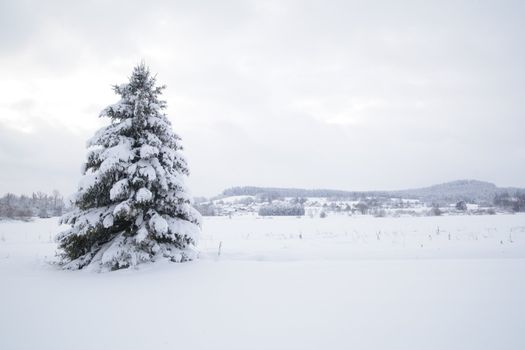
319,94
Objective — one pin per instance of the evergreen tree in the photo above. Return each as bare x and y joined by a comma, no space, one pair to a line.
132,205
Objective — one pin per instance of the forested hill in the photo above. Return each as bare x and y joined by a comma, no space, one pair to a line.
469,190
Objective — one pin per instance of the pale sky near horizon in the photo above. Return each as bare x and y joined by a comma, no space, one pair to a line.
356,95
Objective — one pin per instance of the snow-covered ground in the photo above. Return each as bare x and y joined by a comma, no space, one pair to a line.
342,282
340,237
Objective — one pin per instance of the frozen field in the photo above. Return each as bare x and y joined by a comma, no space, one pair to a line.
280,283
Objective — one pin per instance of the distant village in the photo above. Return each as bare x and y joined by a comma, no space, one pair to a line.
464,197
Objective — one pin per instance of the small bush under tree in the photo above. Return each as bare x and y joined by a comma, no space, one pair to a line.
281,209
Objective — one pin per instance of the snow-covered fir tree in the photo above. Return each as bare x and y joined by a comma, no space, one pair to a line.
132,205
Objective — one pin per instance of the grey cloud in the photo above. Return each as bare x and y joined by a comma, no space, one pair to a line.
25,104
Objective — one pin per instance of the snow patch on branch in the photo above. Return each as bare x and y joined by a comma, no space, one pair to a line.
147,151
148,172
143,195
159,224
108,221
119,189
183,228
113,155
122,209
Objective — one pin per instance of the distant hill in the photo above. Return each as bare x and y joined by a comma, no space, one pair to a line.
468,190
449,192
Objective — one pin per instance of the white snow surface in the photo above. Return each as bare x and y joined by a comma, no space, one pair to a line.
143,195
342,282
113,155
159,224
119,189
121,209
108,221
148,172
147,151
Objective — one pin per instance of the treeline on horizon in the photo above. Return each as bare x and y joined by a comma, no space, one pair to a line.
472,191
38,204
278,192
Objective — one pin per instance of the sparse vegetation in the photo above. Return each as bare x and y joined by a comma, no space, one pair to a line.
39,204
281,209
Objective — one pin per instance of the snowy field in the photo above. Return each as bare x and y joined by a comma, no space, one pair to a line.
454,282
